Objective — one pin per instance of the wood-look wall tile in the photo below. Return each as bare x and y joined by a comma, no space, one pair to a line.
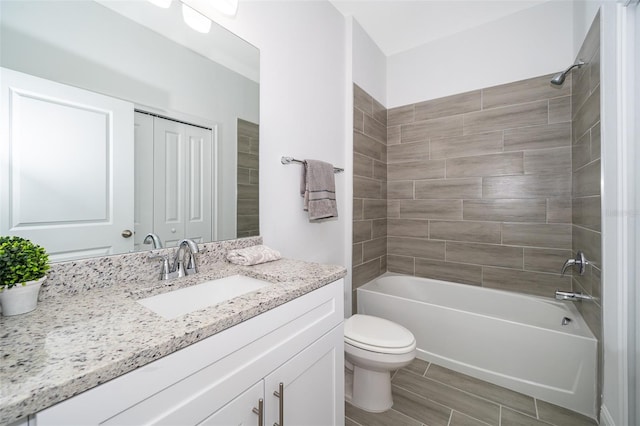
379,170
416,247
538,137
536,283
365,272
247,191
374,249
379,113
365,145
356,254
249,161
559,210
401,189
244,176
587,212
560,109
527,186
400,264
447,106
537,235
408,152
431,209
543,161
379,228
408,228
586,181
449,271
594,71
375,129
361,231
595,142
448,188
465,146
249,206
480,232
393,135
484,254
254,177
438,127
357,209
589,242
362,166
519,92
545,260
587,115
509,117
524,210
393,209
362,100
400,115
432,169
581,152
248,222
358,120
374,209
366,188
485,165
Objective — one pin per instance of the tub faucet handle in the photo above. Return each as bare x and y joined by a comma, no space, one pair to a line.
580,260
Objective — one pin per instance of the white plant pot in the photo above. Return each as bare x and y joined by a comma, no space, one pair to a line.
20,299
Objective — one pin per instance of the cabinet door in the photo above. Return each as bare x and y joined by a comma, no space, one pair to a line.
239,411
313,385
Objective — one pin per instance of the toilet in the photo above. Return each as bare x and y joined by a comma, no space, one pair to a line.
374,347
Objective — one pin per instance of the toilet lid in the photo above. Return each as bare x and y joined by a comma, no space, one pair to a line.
366,332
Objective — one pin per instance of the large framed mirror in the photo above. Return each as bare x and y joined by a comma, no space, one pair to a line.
119,120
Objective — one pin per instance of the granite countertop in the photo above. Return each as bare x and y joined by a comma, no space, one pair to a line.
73,342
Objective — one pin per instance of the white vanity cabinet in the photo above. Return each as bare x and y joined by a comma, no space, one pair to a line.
220,380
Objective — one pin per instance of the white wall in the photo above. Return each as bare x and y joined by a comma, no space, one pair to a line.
530,43
369,64
303,110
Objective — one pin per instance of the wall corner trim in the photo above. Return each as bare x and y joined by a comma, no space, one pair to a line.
605,417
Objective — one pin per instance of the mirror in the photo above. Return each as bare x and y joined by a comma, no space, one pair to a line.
146,56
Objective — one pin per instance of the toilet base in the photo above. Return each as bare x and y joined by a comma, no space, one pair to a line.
371,390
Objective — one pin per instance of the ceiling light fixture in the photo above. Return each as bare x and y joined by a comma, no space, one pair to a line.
195,20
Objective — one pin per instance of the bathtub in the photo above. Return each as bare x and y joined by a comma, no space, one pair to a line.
509,339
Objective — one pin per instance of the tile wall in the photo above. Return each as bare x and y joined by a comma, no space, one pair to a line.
479,187
369,189
247,203
586,180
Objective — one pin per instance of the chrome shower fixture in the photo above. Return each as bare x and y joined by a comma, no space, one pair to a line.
558,79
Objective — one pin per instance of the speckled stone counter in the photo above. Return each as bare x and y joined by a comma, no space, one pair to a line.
85,334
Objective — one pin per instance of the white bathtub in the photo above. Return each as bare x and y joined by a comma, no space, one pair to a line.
512,340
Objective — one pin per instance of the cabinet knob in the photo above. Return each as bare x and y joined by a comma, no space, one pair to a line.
280,395
259,411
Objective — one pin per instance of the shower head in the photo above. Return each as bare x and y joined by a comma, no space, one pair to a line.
558,79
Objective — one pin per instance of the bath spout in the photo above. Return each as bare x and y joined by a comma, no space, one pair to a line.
573,296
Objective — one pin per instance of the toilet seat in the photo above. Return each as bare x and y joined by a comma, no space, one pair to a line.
378,335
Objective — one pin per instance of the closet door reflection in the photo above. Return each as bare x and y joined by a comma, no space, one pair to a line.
174,180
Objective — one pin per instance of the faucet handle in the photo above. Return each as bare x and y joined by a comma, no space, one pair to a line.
165,274
580,260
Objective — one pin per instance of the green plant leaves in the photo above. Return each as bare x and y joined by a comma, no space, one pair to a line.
21,261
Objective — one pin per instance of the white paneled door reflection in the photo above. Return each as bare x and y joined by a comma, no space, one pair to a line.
66,160
174,184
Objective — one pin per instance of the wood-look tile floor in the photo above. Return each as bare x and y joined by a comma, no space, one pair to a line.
427,394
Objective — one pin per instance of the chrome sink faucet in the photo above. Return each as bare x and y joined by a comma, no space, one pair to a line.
184,261
152,238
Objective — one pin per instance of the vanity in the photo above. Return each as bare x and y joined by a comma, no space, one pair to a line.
95,355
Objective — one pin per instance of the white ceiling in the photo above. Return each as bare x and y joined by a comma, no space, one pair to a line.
399,25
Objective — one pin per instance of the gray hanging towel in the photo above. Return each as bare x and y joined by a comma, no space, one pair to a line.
318,187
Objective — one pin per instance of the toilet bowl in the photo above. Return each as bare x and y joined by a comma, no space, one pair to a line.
374,347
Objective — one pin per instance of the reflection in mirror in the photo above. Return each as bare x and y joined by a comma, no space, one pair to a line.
124,119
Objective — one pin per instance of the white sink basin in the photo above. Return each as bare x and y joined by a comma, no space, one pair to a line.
185,300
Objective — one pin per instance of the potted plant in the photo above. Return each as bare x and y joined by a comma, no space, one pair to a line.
23,266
